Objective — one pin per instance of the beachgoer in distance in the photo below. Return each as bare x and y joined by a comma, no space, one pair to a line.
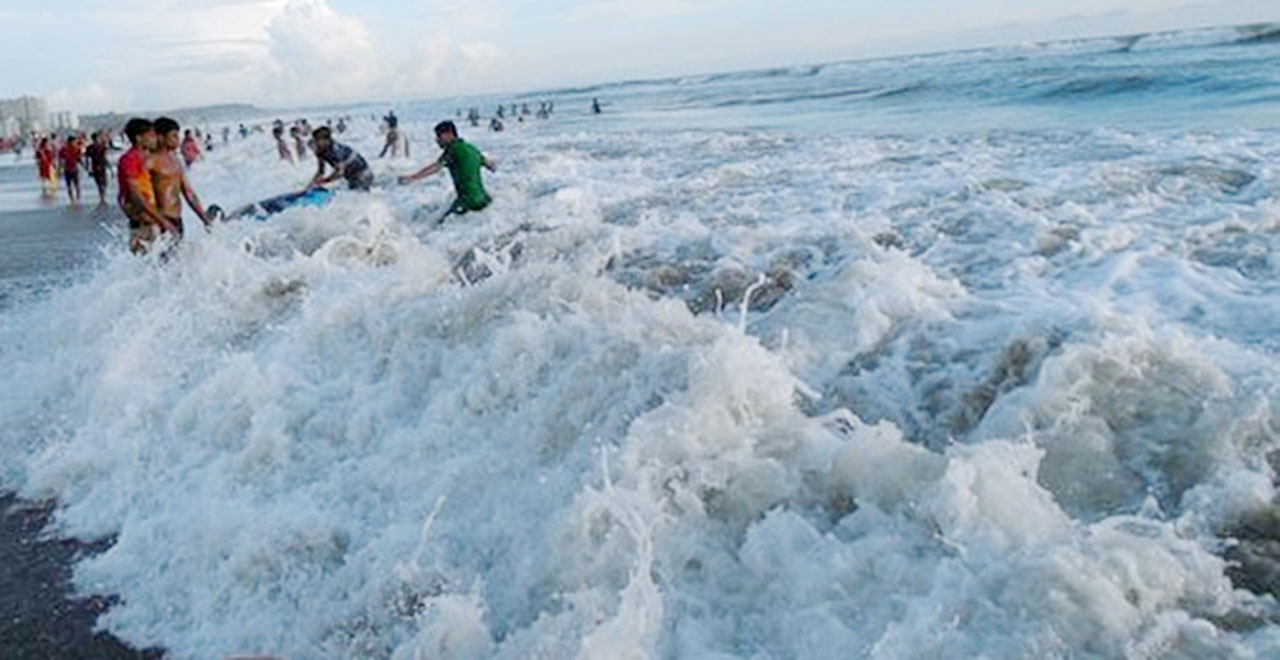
97,154
168,178
464,162
282,147
70,155
344,160
190,147
300,145
137,196
393,136
45,157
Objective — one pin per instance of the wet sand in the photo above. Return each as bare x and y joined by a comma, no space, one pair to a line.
38,617
43,243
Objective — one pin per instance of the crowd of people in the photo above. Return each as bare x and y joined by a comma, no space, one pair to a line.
153,184
60,159
152,172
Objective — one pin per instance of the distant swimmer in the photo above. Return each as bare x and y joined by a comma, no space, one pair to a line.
344,160
282,148
464,162
393,136
595,106
495,125
190,146
168,178
137,196
298,141
97,153
70,155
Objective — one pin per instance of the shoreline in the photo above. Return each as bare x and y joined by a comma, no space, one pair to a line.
39,616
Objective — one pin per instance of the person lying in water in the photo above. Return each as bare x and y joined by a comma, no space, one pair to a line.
464,162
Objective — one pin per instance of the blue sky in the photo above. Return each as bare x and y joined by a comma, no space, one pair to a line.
97,55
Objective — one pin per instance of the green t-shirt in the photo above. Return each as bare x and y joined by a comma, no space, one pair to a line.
464,162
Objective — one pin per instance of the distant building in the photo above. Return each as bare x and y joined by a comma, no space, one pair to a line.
30,113
64,121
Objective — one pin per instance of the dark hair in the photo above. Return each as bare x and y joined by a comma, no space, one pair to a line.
446,127
322,133
165,125
135,127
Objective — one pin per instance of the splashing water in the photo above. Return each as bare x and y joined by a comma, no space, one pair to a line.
799,392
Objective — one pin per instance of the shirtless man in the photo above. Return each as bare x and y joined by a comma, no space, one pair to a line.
137,196
169,179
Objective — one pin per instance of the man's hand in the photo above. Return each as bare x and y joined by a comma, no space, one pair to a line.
167,225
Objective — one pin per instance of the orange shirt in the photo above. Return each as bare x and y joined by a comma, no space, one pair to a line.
133,169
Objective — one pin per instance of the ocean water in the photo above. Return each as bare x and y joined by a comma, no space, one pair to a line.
962,355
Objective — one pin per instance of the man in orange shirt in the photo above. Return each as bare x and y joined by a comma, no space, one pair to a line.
137,195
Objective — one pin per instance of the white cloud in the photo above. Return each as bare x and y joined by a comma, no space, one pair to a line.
318,55
641,10
93,98
480,54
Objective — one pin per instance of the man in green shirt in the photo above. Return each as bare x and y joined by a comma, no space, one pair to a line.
464,162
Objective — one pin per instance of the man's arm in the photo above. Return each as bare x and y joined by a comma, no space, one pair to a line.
149,213
489,163
422,173
319,179
193,201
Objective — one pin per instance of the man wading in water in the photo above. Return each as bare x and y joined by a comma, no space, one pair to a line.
168,179
464,162
344,160
137,196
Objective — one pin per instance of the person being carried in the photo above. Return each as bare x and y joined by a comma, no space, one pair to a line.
464,162
97,154
168,178
137,196
70,155
344,160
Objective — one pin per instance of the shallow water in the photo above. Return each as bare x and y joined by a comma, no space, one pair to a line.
1005,373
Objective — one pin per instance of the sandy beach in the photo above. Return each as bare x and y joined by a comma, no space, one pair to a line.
46,243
